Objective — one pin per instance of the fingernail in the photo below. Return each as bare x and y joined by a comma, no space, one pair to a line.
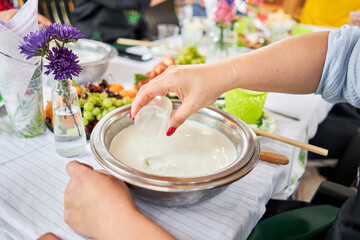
130,115
170,131
133,118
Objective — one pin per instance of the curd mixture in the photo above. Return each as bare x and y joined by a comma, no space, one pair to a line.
194,150
86,56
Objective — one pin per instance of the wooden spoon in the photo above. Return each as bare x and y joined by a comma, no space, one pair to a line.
306,146
274,158
134,42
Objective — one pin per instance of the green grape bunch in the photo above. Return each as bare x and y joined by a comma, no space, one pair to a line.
189,55
96,101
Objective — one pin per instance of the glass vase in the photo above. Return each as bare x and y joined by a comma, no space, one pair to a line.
222,39
70,137
24,102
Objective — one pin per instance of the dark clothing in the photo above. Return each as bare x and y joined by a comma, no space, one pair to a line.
6,4
347,222
285,214
108,20
341,124
274,207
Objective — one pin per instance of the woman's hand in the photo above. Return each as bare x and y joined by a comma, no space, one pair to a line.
100,206
6,15
93,199
197,86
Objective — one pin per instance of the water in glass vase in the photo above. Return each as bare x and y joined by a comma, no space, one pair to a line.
70,137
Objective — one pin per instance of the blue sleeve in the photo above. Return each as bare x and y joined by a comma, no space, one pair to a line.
340,80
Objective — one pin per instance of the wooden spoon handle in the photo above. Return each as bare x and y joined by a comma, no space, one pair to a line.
299,144
134,42
274,158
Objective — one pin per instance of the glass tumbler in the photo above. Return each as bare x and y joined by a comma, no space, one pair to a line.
245,104
153,119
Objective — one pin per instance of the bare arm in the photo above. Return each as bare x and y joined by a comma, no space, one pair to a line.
293,65
131,226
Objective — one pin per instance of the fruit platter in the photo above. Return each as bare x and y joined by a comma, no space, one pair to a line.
96,100
188,55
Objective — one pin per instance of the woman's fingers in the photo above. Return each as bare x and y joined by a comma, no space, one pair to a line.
49,236
180,115
74,166
103,171
160,86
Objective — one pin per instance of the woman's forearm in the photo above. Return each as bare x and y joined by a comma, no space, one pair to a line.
131,225
293,65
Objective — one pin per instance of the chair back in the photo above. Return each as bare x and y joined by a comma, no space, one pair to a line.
162,13
57,11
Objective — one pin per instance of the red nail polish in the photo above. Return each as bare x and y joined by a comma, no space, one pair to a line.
133,118
170,131
130,115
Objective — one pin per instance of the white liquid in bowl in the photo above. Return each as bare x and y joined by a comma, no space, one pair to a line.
194,150
88,56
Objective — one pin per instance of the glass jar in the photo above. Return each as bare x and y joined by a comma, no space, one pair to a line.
70,137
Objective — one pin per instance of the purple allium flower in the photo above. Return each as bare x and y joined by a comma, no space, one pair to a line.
230,2
63,63
35,44
64,32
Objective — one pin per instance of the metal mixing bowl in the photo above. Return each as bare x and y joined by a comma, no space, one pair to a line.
178,191
94,59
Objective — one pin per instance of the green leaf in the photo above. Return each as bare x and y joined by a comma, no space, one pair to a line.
35,127
77,85
23,109
140,77
57,44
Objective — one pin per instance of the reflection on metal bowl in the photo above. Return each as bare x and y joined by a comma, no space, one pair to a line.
94,59
178,191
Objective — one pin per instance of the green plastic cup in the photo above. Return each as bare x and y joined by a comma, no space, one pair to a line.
245,104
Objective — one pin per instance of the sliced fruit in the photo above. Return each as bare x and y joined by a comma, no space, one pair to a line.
115,87
128,93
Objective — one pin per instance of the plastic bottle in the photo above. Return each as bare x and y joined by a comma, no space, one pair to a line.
153,119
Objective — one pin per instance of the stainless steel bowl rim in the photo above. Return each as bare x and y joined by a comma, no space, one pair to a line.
112,52
231,173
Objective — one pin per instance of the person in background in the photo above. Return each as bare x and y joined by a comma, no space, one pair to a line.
92,195
107,20
355,18
7,11
331,13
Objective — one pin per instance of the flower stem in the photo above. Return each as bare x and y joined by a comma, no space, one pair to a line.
222,38
66,91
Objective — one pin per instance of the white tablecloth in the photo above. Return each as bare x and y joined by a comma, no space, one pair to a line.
33,177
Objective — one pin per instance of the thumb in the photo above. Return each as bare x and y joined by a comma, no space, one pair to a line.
179,116
75,166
